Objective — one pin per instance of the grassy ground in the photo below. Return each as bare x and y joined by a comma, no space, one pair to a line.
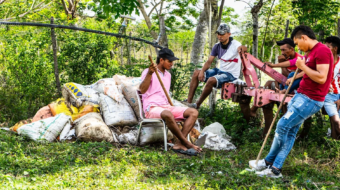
24,164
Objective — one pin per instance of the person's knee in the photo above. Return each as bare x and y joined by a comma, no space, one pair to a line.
167,115
211,81
193,113
196,73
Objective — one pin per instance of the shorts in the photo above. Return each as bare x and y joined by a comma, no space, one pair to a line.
221,76
155,111
330,106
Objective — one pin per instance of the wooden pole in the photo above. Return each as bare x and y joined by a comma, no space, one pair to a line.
277,113
55,58
287,26
160,81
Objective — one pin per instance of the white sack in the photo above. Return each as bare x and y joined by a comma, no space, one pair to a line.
78,94
214,142
108,87
91,127
46,129
128,138
129,87
115,113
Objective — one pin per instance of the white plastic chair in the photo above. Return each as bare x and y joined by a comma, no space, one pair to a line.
151,120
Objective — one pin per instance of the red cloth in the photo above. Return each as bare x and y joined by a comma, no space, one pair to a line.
320,54
336,78
293,68
231,60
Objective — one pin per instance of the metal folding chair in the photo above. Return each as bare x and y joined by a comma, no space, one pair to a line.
151,120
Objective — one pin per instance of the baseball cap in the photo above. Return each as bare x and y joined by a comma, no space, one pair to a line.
223,28
286,41
168,54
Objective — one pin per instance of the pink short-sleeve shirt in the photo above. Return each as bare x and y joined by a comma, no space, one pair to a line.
155,95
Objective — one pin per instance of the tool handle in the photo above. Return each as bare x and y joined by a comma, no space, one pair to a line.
160,81
277,113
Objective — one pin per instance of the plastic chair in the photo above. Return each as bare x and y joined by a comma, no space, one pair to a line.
151,120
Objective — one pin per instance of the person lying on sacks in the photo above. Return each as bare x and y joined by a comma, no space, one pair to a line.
227,51
156,104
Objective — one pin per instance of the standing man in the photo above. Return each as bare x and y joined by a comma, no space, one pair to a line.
227,50
156,104
332,101
308,100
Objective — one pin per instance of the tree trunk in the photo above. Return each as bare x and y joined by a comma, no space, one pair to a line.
339,27
287,27
255,15
197,51
164,39
147,19
55,59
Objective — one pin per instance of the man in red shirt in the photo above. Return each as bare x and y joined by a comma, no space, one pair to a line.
332,101
308,100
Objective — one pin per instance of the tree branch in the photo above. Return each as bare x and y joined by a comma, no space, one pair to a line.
246,3
153,8
2,1
65,8
147,19
265,31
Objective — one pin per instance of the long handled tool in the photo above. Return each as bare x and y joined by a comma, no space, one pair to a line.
277,113
160,81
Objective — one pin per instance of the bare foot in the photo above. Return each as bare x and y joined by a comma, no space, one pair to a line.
179,146
198,149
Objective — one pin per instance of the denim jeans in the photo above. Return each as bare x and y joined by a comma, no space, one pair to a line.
330,106
295,84
299,109
221,76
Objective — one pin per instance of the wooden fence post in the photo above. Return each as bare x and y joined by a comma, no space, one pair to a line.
54,46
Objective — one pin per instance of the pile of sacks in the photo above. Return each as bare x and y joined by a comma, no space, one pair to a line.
107,110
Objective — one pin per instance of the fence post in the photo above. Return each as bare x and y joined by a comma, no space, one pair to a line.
54,46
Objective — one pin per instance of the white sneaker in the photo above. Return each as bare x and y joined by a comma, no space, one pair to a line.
268,173
261,165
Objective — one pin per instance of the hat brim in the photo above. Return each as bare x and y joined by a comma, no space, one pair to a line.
172,58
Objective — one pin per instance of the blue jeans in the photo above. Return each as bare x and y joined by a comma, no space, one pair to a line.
330,106
295,84
221,76
299,109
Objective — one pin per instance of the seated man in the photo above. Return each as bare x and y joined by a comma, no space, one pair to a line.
332,101
287,64
227,50
308,100
156,104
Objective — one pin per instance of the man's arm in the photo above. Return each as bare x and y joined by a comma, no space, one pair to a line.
206,66
282,64
299,75
144,86
243,48
319,75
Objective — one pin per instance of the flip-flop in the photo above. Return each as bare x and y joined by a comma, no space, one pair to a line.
179,151
191,152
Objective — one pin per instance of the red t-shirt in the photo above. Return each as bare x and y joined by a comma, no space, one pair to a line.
320,54
293,68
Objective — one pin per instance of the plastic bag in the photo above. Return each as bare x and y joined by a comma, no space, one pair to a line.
43,113
152,133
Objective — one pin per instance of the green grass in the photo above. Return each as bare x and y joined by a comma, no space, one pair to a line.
24,164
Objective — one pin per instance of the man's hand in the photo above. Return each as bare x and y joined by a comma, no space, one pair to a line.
201,76
288,81
337,104
300,63
269,64
281,58
330,89
242,48
152,68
